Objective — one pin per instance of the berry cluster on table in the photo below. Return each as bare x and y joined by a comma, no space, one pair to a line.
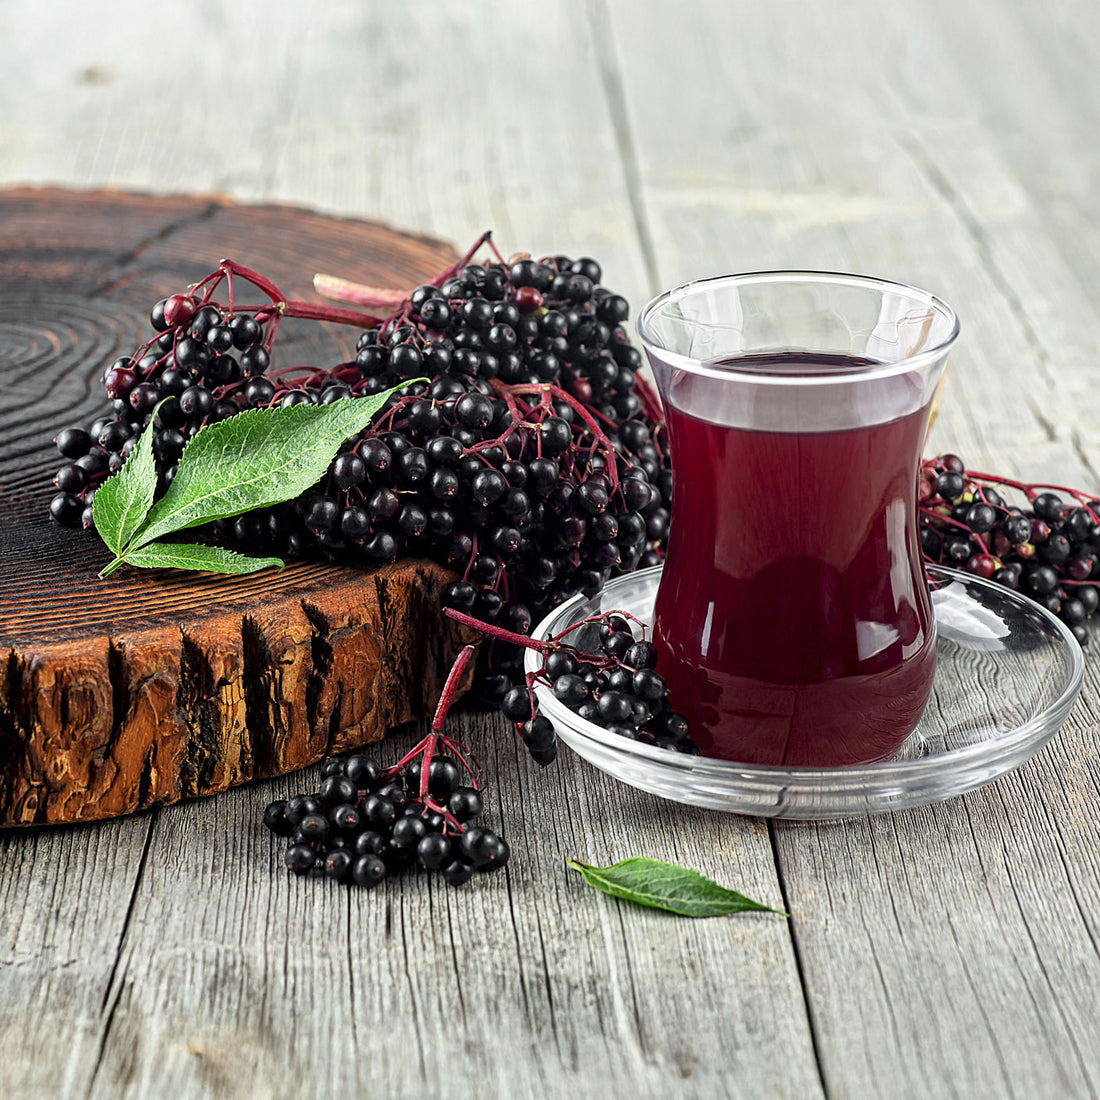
520,449
1048,550
365,823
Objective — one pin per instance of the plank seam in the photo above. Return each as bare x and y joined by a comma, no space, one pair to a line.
1068,1028
111,986
416,1015
1002,1065
939,182
1082,454
798,963
1068,874
515,927
603,37
454,960
351,972
517,758
633,985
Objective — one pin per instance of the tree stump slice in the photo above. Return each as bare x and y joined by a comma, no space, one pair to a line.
152,686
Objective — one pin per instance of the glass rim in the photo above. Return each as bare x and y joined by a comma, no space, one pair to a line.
644,328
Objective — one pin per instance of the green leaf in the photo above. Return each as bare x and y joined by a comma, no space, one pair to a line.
667,886
257,458
124,499
207,559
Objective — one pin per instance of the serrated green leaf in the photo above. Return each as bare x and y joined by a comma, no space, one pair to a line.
124,499
258,458
667,886
206,559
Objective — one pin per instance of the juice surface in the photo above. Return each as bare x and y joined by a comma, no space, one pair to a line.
793,621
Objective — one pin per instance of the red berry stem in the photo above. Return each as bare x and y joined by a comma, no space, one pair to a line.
465,757
427,746
537,644
227,268
344,290
421,749
469,566
311,311
496,631
426,762
448,272
651,403
284,307
545,390
451,686
1030,490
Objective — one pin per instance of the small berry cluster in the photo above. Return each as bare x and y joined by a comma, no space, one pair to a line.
210,357
1050,550
609,679
365,822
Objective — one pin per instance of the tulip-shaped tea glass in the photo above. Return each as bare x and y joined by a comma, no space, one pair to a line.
793,621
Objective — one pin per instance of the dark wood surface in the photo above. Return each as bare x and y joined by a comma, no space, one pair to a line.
152,686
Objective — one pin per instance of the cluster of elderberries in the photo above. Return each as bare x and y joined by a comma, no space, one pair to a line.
609,679
212,359
1049,550
531,459
366,822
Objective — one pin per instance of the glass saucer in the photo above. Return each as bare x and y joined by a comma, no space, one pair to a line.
1007,674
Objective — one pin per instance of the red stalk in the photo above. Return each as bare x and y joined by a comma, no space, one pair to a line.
311,311
496,631
446,698
650,401
546,389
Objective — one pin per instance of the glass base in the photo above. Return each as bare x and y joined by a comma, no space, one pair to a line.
1007,674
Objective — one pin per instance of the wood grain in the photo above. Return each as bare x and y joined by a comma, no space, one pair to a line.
526,981
149,687
231,977
210,697
948,951
943,952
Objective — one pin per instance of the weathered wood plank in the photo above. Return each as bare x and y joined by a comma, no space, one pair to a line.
431,117
65,906
947,951
1033,89
526,982
233,978
951,950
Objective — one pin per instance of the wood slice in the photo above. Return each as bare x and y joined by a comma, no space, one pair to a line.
149,687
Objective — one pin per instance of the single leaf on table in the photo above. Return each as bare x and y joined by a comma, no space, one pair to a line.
668,886
208,559
254,459
124,499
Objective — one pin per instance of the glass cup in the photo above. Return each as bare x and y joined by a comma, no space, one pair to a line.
793,621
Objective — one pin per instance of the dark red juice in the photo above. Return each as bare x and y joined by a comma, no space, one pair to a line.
793,621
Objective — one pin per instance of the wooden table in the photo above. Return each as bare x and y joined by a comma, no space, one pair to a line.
950,951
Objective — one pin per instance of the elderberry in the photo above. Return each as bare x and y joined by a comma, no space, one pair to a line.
529,461
387,823
1048,551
